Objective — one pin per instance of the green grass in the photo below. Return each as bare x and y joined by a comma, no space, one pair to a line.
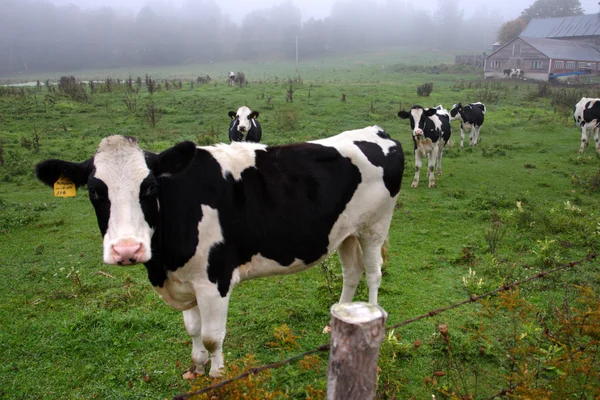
71,327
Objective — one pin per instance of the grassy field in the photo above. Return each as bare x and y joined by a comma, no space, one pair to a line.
521,202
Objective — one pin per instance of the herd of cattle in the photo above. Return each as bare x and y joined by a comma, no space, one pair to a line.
204,218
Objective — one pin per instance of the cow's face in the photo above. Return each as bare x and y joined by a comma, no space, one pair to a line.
418,116
243,118
123,187
455,112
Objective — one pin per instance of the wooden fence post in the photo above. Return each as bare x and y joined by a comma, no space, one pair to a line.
357,330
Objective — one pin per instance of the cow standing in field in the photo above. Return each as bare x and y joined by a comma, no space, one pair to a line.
202,219
587,117
471,117
431,131
244,125
231,78
509,73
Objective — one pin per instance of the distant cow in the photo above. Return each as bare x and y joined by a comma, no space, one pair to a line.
231,78
471,117
244,126
587,117
509,73
202,219
430,132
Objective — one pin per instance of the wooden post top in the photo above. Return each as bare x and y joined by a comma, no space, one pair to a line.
357,312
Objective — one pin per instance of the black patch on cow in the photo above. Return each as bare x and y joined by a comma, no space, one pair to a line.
98,192
591,112
392,163
383,134
149,200
284,209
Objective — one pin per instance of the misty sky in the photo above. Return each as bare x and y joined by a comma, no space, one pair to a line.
237,9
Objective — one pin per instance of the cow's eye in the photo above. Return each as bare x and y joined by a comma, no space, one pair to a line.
93,193
151,190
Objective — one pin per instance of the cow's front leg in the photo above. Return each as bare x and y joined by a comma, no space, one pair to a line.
418,163
431,166
193,325
213,315
349,252
597,138
462,135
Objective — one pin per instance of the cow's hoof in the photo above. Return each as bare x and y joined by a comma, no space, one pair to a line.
327,329
414,184
189,375
439,172
432,185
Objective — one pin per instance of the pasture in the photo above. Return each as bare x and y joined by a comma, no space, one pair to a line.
521,202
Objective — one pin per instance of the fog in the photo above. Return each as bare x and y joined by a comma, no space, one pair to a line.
54,35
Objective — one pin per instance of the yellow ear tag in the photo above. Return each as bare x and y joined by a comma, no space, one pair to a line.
64,187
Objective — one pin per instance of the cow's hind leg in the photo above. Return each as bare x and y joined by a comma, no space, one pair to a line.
597,138
475,132
193,327
350,256
462,135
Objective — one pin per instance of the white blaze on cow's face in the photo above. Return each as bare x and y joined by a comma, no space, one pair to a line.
244,119
121,173
415,118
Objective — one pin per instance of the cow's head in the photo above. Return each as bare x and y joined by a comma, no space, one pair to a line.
123,187
455,112
418,117
241,120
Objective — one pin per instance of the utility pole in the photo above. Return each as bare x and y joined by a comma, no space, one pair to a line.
296,53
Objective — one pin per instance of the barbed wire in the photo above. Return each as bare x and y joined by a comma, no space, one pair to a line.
429,314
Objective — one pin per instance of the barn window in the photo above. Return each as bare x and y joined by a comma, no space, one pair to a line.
496,64
570,65
582,65
537,64
592,66
559,64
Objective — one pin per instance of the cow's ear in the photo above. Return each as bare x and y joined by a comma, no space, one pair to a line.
430,112
459,106
253,114
50,170
231,114
403,114
172,161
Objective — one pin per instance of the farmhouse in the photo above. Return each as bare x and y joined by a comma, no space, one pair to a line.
550,48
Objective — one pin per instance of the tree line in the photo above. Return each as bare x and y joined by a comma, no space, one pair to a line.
37,36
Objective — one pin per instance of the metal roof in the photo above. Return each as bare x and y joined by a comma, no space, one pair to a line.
564,49
564,27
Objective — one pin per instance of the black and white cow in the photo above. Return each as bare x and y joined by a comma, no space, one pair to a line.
430,132
471,117
202,219
244,125
509,73
231,78
587,117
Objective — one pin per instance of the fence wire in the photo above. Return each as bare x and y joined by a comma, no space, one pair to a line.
431,313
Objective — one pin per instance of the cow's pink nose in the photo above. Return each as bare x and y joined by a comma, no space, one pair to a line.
127,253
418,132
